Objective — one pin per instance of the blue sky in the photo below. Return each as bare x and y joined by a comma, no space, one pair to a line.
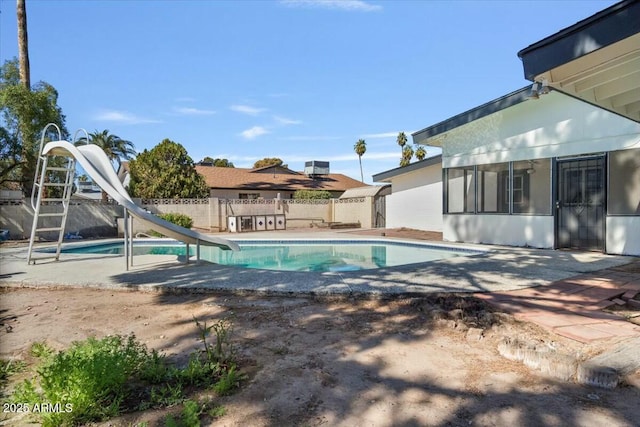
295,79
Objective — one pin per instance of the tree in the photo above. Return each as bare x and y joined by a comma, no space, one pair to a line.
268,161
23,44
116,148
166,172
23,115
407,154
421,153
360,148
221,163
401,140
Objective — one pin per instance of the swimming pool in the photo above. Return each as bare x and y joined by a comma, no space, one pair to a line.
293,255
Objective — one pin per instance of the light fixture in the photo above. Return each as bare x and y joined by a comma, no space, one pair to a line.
534,91
544,88
531,169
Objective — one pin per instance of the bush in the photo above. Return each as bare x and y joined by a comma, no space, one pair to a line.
98,379
311,194
88,379
179,219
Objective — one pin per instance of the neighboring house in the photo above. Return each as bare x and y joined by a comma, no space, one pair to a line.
268,182
416,195
87,190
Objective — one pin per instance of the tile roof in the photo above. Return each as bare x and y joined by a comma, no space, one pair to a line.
273,179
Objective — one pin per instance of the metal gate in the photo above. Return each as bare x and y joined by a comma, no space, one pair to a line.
379,212
581,203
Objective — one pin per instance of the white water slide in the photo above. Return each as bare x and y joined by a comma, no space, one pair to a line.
98,167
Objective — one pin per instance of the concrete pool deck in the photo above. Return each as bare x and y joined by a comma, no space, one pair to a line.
562,291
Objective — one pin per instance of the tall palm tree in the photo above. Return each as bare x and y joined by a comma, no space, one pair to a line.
23,44
116,148
421,153
360,148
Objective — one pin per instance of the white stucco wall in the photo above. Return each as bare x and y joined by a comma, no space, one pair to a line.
623,235
416,200
514,230
554,125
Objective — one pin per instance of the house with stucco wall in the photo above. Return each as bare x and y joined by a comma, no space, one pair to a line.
555,164
552,172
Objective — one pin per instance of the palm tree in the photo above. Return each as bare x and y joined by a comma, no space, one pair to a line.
402,139
407,154
360,148
421,153
116,148
23,44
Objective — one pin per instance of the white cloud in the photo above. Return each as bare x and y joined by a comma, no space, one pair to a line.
247,109
253,132
122,117
189,111
348,5
286,121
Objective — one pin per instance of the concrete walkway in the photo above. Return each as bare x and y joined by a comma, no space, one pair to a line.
573,307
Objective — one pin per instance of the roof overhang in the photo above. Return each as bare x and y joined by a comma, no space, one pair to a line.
435,135
596,60
421,164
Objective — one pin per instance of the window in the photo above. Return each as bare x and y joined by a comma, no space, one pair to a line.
250,196
526,190
624,182
493,188
532,187
460,190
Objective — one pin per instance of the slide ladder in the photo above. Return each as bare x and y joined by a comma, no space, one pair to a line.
52,186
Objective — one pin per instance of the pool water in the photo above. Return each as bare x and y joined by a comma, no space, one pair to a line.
293,255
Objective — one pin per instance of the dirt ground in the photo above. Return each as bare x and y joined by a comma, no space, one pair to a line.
346,362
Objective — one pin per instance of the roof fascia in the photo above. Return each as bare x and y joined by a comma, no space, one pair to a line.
602,29
382,176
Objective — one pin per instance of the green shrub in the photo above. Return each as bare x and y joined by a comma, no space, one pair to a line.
175,218
311,194
89,377
179,219
95,379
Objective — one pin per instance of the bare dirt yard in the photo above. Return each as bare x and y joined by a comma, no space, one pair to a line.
334,362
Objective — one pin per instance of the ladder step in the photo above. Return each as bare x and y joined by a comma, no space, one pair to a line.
52,214
48,229
57,184
53,200
57,168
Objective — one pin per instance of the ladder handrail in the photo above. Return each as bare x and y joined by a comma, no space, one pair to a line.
39,183
40,162
75,140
